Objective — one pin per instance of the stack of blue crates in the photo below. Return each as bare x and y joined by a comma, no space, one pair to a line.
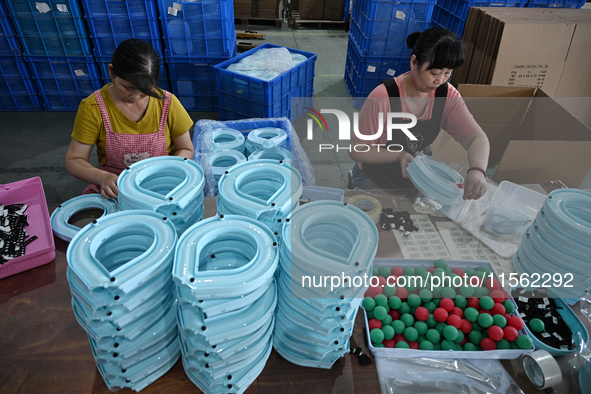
57,48
452,14
197,35
17,89
377,41
113,21
287,95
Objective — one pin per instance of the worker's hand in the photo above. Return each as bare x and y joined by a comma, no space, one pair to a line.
405,159
474,185
108,185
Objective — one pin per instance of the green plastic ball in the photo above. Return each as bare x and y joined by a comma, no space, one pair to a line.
503,344
402,345
385,272
404,308
469,347
431,322
414,300
475,337
499,320
448,292
524,342
431,306
426,345
467,291
433,335
395,302
388,332
379,312
485,320
375,271
471,314
382,300
368,304
409,271
407,319
509,306
486,303
446,344
426,295
441,263
536,325
376,335
460,337
398,326
460,301
389,290
421,327
386,320
450,332
411,334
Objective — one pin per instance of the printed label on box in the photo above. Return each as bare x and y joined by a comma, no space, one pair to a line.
79,73
391,72
371,69
43,7
400,15
62,7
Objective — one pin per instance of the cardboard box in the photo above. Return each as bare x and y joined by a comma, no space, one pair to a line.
532,137
311,9
334,10
537,47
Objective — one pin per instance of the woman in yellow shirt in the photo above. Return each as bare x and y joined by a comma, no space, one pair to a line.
128,120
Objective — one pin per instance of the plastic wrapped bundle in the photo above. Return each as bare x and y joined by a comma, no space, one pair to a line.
265,138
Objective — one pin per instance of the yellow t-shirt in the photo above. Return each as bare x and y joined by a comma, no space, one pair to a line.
89,128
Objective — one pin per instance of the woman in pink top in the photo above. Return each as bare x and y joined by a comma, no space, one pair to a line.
425,93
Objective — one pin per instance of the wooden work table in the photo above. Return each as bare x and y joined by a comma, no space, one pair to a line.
43,349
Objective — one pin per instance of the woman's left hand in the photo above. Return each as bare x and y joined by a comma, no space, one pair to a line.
474,185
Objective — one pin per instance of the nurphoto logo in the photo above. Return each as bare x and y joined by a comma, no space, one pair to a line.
395,121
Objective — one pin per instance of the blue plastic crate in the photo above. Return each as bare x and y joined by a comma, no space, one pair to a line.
64,81
114,21
556,3
17,89
198,29
452,14
8,41
50,28
364,73
193,82
380,28
132,9
103,65
243,96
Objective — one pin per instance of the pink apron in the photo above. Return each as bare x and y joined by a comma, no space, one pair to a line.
122,150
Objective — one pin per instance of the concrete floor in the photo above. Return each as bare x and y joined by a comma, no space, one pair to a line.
35,143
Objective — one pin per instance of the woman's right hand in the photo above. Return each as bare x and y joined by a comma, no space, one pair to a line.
108,185
405,159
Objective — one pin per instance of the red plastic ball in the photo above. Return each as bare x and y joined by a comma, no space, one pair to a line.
515,322
454,320
399,337
388,343
495,333
498,309
402,293
497,295
473,302
397,271
459,272
510,333
466,326
422,313
492,284
431,269
458,311
440,314
394,314
413,345
447,304
374,323
488,344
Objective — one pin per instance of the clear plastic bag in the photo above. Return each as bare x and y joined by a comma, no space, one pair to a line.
266,63
203,143
422,375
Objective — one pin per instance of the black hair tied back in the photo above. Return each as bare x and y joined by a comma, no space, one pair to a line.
137,62
437,47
